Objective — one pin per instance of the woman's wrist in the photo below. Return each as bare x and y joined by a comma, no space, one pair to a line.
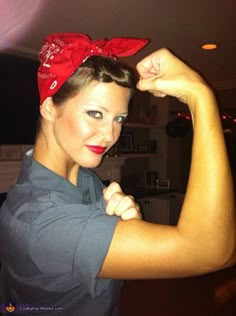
201,98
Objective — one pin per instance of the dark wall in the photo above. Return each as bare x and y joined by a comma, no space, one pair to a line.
19,99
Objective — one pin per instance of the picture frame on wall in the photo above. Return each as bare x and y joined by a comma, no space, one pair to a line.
126,143
163,184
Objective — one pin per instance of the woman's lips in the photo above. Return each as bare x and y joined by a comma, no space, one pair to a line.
97,149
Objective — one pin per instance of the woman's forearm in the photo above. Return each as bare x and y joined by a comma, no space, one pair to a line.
208,215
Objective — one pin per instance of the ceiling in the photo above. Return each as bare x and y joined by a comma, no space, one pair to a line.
180,25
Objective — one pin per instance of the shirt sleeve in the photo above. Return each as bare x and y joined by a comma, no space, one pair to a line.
70,243
92,249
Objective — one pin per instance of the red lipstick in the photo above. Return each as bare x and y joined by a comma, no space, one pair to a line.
97,149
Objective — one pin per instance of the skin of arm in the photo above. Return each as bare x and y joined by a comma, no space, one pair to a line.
204,238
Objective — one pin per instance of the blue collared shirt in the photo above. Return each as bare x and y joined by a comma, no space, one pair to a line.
54,238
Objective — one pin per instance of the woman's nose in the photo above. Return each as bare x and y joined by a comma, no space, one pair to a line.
107,132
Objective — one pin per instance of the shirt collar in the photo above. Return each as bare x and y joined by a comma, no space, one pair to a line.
37,175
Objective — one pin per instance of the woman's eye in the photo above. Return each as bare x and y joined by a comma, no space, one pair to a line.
120,119
95,114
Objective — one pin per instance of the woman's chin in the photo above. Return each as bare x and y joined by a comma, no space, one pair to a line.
92,163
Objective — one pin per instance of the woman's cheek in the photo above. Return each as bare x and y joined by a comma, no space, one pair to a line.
79,128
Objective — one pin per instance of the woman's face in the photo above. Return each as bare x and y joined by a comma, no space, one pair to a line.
90,123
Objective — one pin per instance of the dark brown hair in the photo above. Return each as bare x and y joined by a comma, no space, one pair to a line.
95,68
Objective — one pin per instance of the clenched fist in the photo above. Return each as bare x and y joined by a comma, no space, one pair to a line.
120,204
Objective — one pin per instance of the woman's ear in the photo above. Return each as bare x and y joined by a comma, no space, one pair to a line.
47,110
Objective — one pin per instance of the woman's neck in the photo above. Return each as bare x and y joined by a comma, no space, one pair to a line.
53,158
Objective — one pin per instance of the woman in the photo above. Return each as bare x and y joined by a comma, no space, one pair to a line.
62,252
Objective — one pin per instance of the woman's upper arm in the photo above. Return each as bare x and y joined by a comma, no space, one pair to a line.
138,250
142,250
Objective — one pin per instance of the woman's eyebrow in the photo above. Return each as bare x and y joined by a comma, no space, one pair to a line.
97,106
107,110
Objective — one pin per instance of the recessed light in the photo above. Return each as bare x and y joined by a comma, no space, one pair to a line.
209,46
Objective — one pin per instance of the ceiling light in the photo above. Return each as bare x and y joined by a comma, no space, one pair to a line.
209,46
